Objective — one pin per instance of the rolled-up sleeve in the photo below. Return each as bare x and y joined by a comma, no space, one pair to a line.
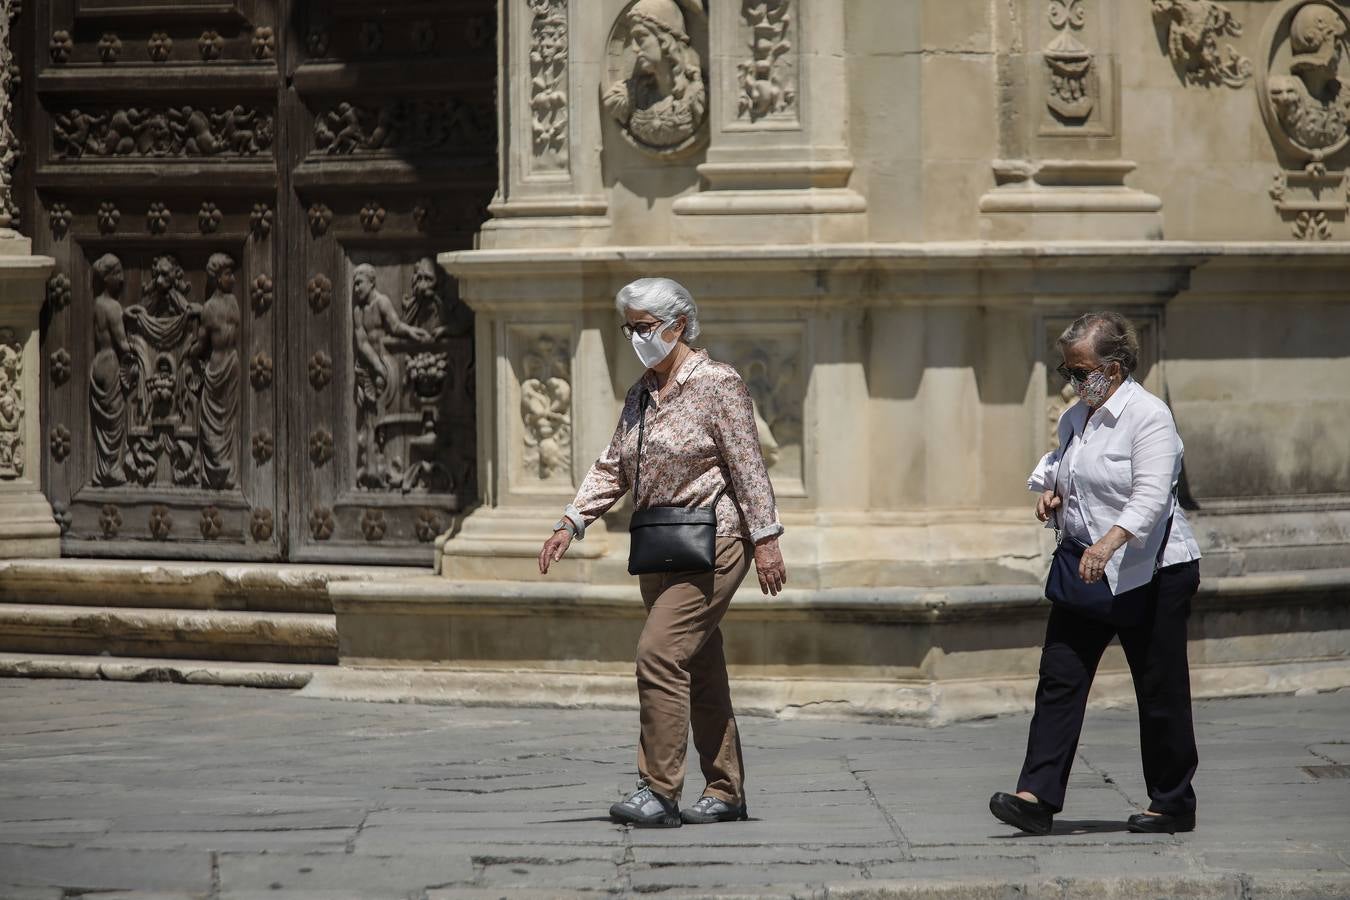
1155,460
605,483
738,440
1042,477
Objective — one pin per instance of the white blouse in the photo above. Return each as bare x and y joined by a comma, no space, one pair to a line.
1120,468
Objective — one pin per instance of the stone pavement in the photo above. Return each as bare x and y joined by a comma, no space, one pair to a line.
149,790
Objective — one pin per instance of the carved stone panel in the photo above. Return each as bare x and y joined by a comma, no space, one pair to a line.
656,91
1303,88
541,405
767,76
1192,30
548,85
772,362
11,406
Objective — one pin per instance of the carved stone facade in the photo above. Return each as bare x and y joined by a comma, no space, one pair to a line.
1072,82
405,126
9,138
769,77
1194,29
657,92
546,407
12,424
548,84
1305,103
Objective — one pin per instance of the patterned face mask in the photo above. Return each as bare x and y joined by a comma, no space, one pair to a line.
1093,389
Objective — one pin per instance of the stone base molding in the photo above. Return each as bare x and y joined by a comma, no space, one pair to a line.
1068,199
930,654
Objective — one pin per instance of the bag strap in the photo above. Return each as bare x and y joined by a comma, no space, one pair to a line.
642,434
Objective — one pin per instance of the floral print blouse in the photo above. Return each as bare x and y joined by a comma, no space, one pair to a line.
700,439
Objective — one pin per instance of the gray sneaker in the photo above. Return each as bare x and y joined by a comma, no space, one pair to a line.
646,809
712,809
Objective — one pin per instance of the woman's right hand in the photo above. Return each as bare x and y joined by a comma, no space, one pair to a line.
555,548
1047,503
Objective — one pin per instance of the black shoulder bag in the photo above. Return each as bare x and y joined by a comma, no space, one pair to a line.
1065,587
669,538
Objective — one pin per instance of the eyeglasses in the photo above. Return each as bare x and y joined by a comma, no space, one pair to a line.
641,329
1077,374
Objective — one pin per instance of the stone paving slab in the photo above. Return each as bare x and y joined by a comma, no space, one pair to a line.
156,791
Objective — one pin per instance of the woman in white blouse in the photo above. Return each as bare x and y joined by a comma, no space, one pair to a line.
1110,485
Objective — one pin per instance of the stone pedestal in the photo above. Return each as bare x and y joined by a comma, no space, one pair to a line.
1067,200
27,527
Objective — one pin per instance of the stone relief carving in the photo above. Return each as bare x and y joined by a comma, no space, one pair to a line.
165,132
60,47
320,216
9,139
321,524
404,379
548,82
209,218
1193,29
373,525
656,92
161,522
212,523
108,217
260,220
407,126
157,218
164,380
768,78
60,217
160,47
110,520
546,407
11,406
1072,84
1304,94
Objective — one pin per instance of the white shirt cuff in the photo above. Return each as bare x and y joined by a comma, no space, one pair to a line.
768,531
578,522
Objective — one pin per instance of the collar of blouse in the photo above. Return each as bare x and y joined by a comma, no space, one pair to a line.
686,371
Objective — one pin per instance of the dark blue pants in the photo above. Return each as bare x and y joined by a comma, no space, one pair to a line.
1156,651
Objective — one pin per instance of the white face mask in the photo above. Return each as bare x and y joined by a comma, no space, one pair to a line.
654,348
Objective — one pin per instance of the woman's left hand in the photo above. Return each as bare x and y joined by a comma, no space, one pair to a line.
769,566
1092,567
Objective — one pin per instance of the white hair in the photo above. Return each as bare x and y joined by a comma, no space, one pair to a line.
664,298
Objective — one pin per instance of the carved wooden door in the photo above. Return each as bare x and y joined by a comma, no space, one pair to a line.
250,353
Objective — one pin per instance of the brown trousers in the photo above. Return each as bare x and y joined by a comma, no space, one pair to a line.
682,676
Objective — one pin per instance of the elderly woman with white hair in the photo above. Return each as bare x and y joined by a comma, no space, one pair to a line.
688,449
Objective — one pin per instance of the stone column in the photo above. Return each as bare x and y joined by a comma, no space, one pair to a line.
26,524
550,191
778,162
1061,176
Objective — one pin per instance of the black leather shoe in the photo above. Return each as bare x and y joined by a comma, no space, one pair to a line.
646,809
1163,823
713,809
1034,818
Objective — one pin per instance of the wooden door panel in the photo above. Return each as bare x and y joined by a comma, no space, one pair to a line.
153,182
391,157
280,371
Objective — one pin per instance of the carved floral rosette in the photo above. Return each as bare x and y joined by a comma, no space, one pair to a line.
1303,91
669,37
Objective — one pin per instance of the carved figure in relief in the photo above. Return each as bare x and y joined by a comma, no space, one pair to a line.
1193,31
546,407
11,406
165,404
425,306
171,131
374,322
663,102
1312,99
548,77
111,375
217,343
766,80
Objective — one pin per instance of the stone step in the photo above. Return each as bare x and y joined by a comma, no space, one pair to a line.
175,633
140,584
285,676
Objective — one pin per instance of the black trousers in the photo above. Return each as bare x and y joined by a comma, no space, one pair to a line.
1156,651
